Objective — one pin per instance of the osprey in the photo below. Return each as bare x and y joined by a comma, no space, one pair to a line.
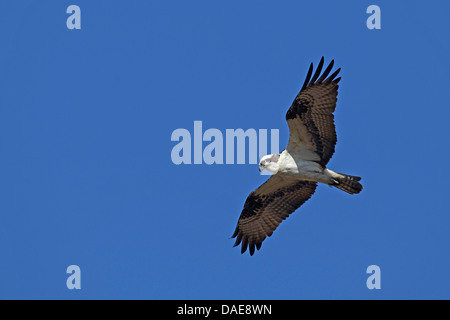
298,168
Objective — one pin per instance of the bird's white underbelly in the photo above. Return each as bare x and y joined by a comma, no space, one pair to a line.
303,169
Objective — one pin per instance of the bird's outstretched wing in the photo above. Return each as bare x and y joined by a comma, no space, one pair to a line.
267,206
312,133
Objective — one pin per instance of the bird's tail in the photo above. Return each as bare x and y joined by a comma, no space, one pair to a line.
346,182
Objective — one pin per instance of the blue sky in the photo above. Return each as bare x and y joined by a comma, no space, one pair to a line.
86,177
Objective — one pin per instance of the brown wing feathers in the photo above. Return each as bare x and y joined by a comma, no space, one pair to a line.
264,211
314,107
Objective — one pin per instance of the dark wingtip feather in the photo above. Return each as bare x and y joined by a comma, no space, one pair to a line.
330,78
318,70
238,239
251,248
322,60
244,244
326,72
308,76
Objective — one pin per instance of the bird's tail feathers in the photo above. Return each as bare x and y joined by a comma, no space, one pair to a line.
346,183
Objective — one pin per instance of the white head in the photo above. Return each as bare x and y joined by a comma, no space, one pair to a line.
269,163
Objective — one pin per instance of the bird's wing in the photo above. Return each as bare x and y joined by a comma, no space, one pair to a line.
312,134
267,206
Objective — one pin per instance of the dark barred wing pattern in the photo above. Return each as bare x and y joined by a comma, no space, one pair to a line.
267,206
310,117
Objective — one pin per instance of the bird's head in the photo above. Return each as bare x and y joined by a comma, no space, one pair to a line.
269,163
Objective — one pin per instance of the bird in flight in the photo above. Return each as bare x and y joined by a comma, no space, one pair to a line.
298,168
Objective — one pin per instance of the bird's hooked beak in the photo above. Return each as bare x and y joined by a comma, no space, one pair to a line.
260,169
